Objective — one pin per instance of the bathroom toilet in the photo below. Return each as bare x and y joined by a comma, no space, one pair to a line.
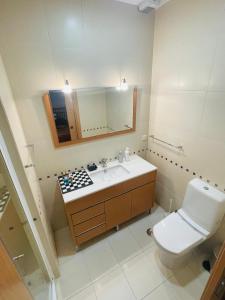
199,218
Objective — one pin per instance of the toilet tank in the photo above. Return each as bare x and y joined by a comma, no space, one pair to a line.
204,204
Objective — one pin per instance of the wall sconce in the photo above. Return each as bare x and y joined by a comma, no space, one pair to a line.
67,88
123,85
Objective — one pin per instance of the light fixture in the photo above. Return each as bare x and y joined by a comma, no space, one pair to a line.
67,88
123,85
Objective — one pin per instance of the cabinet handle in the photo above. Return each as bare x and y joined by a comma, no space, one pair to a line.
71,127
91,229
29,166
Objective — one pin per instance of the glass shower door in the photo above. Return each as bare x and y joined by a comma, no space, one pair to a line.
18,241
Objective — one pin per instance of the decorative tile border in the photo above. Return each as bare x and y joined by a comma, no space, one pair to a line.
139,151
64,172
182,167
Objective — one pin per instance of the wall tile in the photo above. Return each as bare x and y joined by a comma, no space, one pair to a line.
187,101
186,106
63,21
217,80
213,121
22,23
30,69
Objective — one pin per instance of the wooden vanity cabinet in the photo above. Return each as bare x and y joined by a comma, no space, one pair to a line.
142,199
118,210
94,214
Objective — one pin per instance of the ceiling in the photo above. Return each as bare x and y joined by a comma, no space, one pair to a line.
134,2
137,2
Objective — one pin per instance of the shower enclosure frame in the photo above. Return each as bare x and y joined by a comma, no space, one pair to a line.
28,215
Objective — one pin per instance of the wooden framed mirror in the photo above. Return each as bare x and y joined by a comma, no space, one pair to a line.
90,114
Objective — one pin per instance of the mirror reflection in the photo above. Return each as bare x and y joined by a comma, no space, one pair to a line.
59,110
104,110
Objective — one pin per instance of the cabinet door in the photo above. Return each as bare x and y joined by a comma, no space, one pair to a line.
118,210
142,198
61,115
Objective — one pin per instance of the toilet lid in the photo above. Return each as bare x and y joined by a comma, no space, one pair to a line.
175,235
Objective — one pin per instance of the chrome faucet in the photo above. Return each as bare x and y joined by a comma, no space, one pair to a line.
120,156
103,162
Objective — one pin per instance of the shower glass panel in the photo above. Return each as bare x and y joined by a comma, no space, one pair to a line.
14,236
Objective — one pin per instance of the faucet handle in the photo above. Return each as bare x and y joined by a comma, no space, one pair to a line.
104,159
120,156
103,162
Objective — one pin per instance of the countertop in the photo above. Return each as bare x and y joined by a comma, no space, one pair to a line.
136,166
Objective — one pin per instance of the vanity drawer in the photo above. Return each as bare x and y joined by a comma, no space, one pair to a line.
89,225
139,181
87,214
90,234
95,198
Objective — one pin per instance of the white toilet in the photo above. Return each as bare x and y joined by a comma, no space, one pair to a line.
198,219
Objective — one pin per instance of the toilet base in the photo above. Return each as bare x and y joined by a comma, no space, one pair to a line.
173,261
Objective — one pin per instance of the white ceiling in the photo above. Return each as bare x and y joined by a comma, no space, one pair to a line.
134,2
137,2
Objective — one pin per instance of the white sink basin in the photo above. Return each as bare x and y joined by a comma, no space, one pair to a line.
109,173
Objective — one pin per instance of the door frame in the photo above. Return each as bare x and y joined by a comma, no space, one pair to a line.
215,277
28,215
13,285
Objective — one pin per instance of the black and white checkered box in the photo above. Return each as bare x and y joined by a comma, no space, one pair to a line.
74,181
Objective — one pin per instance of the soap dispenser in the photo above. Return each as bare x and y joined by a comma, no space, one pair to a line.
127,154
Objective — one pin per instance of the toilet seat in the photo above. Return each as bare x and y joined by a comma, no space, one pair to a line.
175,235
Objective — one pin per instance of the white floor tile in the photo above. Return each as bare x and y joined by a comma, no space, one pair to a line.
86,294
138,229
195,265
153,258
182,286
37,283
143,275
186,285
164,292
74,276
124,245
125,265
113,286
99,259
157,214
64,245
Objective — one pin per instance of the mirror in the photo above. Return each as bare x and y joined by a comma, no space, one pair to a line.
90,113
104,110
60,115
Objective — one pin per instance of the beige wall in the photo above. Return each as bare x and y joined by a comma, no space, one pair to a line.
188,96
88,42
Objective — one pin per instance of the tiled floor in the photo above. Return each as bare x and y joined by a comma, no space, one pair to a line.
124,265
37,285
